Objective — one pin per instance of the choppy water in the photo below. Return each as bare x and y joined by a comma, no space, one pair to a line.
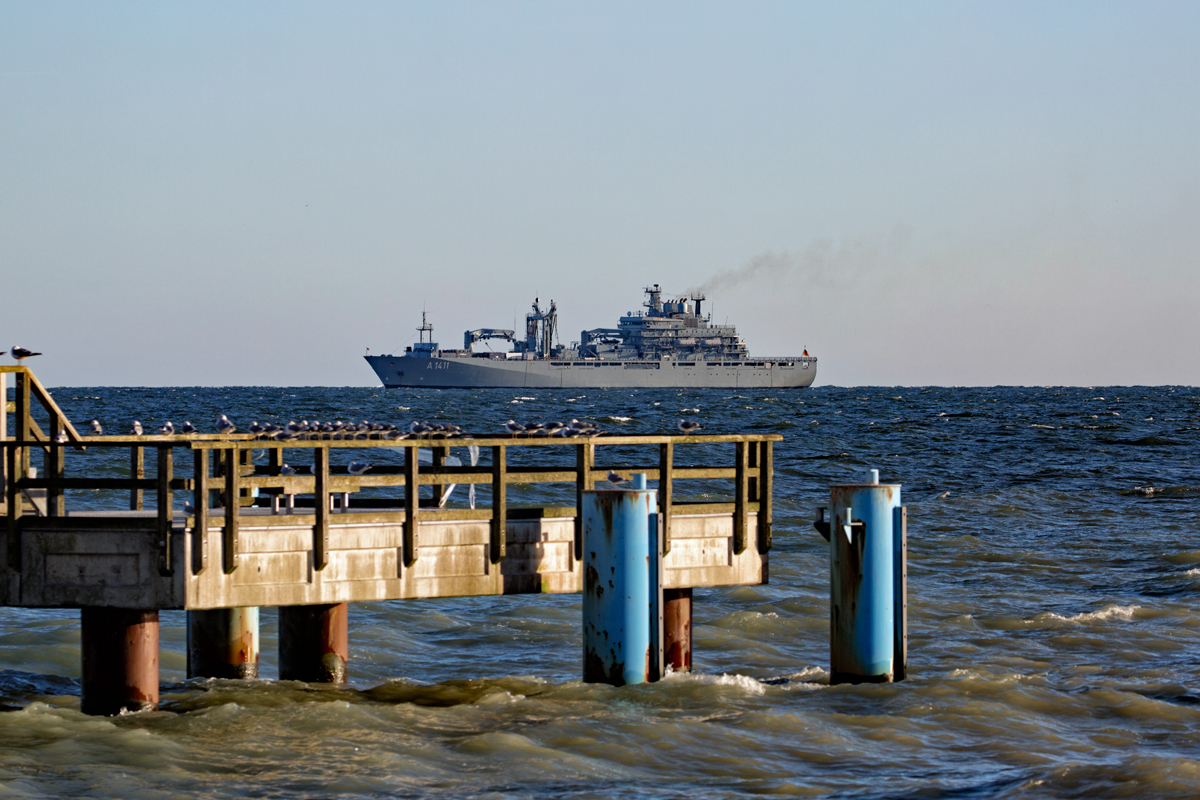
1054,562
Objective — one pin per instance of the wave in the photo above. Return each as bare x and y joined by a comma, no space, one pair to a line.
1145,441
1162,491
1111,611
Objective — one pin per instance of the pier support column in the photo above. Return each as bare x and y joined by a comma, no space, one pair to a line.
677,629
223,643
867,554
120,660
314,643
621,586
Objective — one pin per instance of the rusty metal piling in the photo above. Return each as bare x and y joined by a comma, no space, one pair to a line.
223,643
120,660
314,643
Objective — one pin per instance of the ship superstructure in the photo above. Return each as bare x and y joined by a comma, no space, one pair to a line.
670,343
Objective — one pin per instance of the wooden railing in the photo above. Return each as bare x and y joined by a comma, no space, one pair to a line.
18,459
223,477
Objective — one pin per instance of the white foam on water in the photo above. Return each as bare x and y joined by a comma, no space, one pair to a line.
743,682
620,419
1106,613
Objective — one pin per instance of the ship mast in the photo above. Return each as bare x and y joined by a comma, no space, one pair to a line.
425,328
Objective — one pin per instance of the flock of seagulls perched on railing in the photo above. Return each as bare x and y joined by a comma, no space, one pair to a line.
377,430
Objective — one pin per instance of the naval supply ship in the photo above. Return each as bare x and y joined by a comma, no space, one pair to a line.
670,344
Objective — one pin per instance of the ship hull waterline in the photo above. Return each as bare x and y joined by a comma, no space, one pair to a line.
484,373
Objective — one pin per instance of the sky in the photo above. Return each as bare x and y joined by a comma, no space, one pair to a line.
918,193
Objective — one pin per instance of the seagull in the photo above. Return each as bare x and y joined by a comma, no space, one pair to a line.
188,508
688,426
293,427
255,428
167,429
286,470
189,428
615,478
95,429
358,467
552,428
20,353
136,428
581,427
62,437
224,425
284,436
514,428
533,427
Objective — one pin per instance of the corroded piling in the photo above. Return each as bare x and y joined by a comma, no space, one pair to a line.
223,643
867,586
621,586
677,629
314,643
120,660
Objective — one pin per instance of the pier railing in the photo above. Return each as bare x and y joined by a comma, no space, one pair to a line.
220,475
18,461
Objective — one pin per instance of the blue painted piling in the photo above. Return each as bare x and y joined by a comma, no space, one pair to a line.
622,586
867,583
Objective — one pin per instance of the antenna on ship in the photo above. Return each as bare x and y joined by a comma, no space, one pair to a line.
425,328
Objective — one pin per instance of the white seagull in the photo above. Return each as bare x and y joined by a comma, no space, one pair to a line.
95,429
688,426
188,427
224,425
358,467
167,429
136,428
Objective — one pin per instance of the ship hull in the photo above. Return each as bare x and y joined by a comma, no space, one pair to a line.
481,373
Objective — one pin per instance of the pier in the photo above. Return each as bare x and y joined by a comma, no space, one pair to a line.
315,540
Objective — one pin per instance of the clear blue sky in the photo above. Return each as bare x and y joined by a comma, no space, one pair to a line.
919,193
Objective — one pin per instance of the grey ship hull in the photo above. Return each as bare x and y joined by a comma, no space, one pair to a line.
471,373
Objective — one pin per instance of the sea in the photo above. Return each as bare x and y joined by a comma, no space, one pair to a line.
1054,640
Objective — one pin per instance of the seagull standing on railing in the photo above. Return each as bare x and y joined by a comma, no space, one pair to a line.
167,429
188,427
689,426
358,467
225,426
95,429
20,353
515,428
62,437
616,478
286,470
136,428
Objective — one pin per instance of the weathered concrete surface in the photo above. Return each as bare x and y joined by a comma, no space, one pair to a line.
113,561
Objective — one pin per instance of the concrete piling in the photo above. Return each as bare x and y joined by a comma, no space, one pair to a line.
867,554
622,589
120,660
223,643
314,643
